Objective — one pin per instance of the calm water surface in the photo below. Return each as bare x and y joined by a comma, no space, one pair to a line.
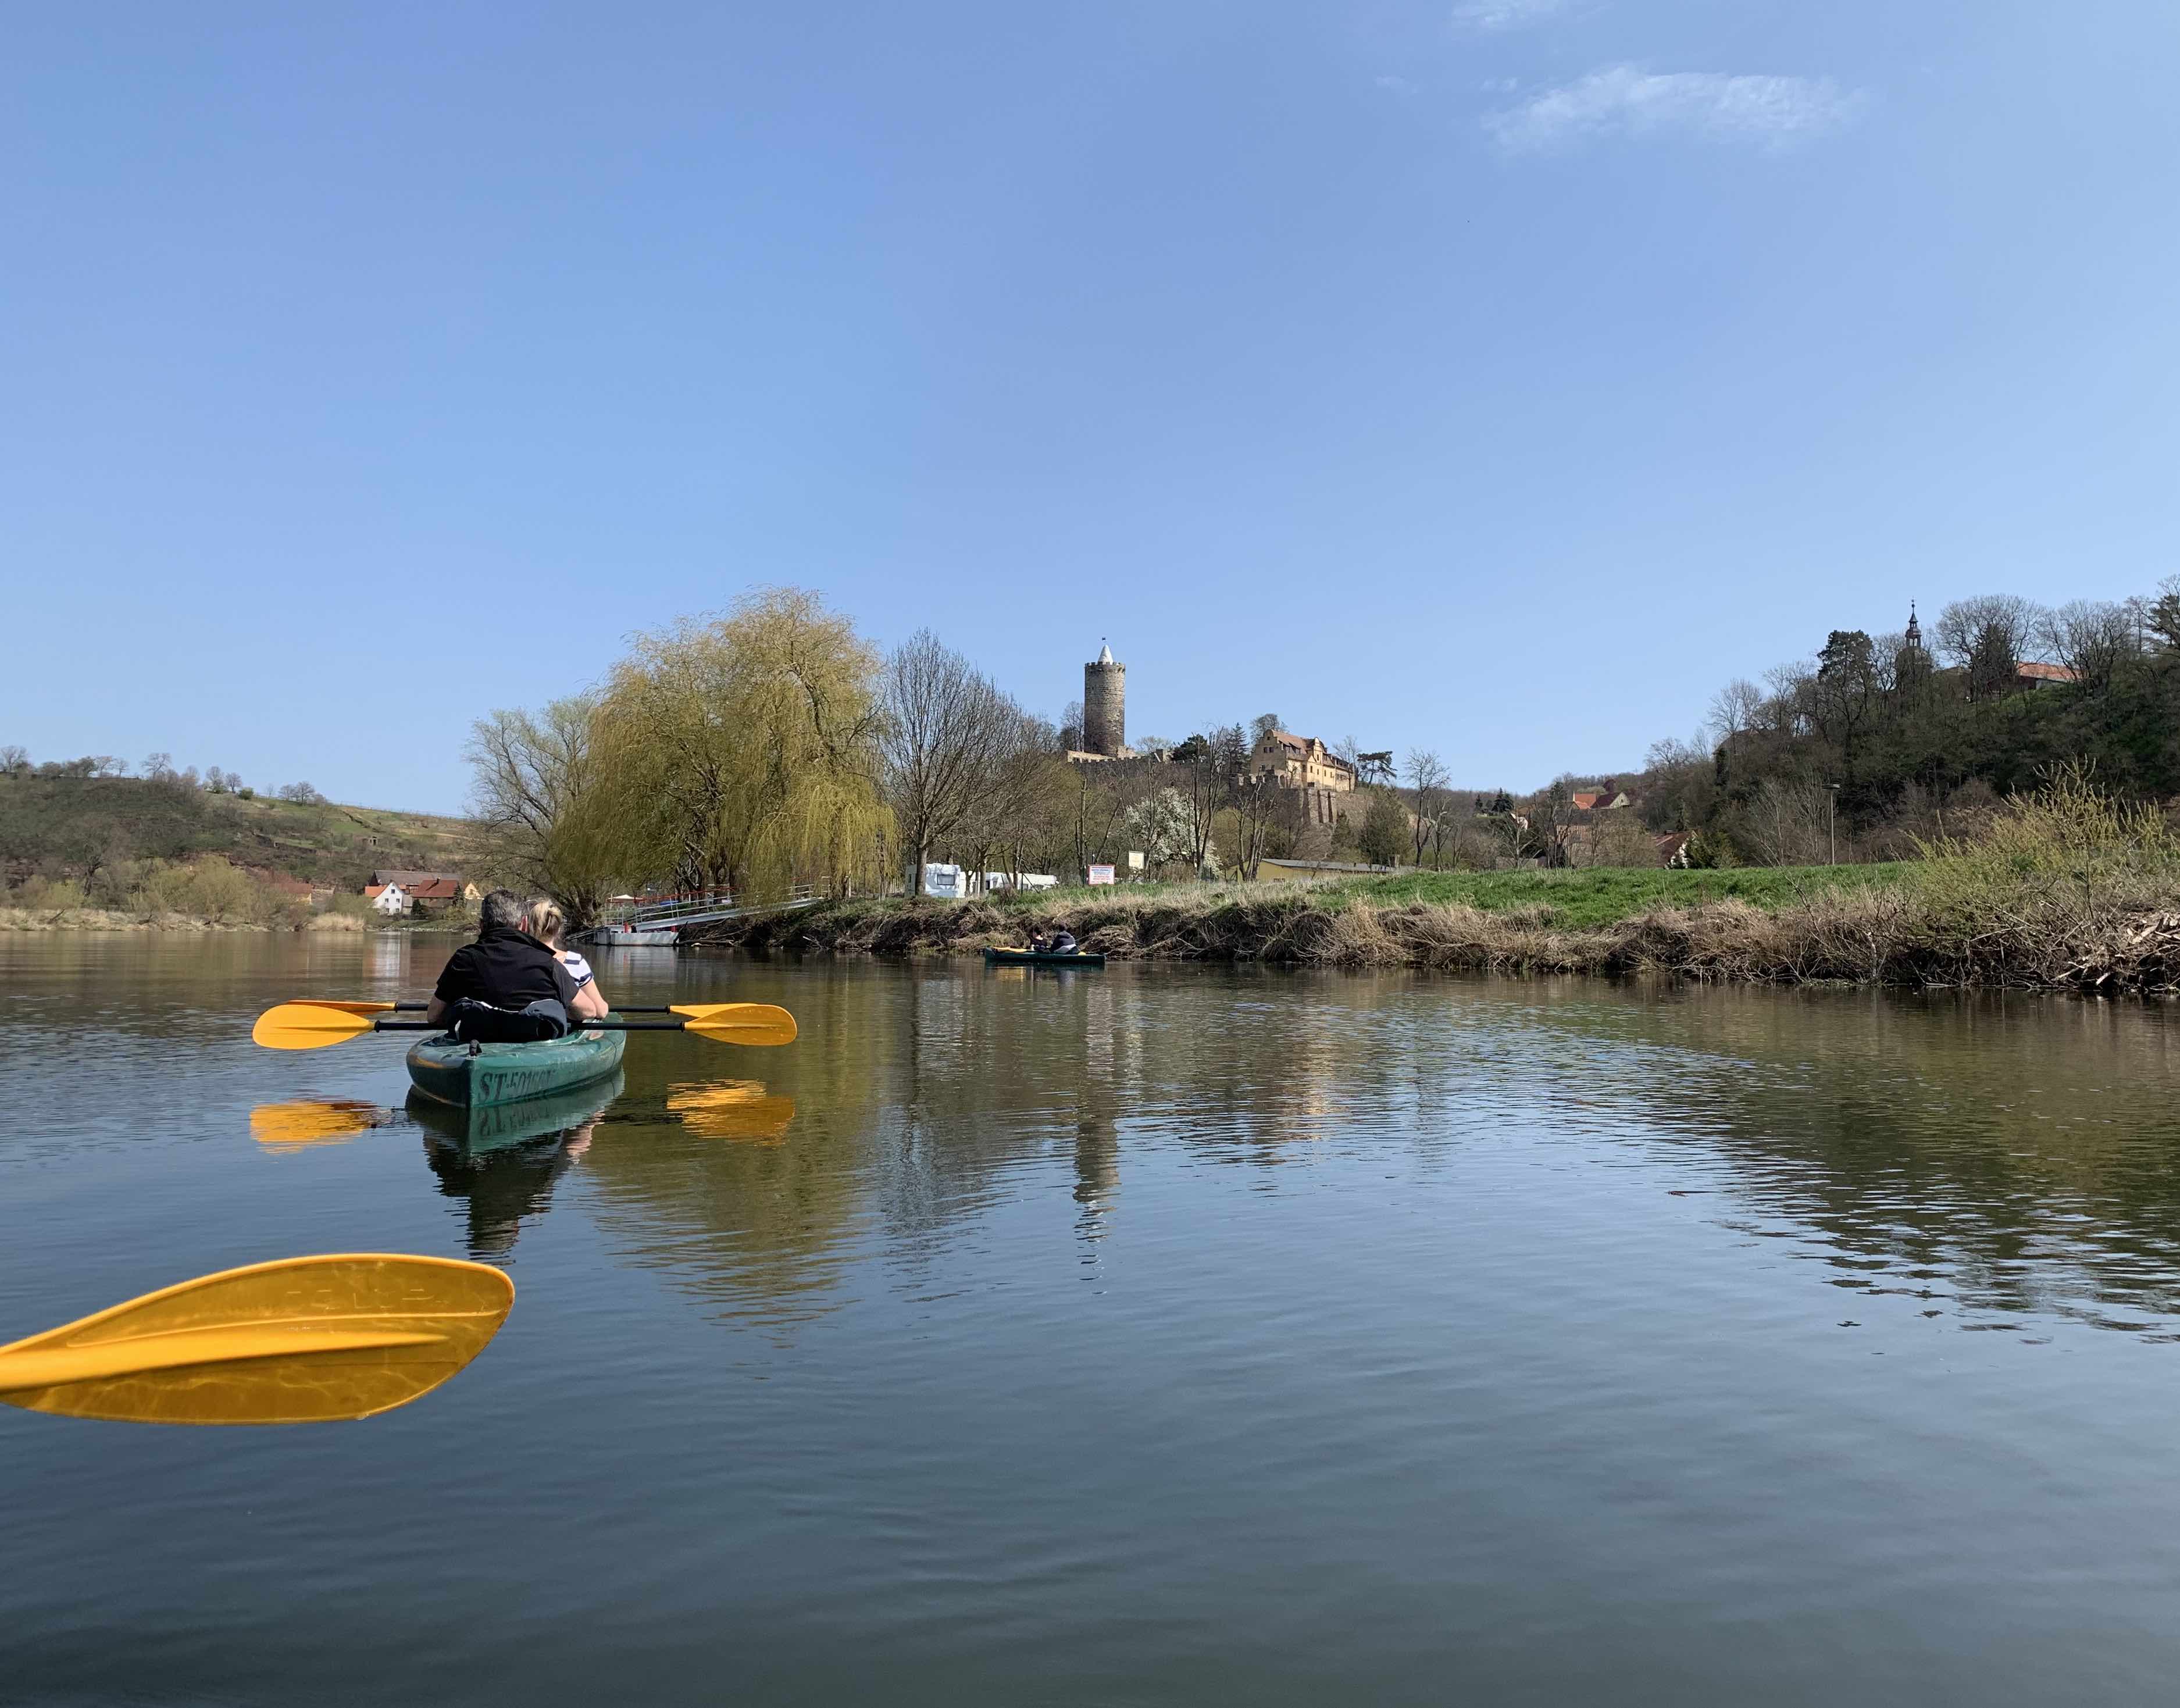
1154,1336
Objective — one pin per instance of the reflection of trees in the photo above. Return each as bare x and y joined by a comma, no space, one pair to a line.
913,1092
2013,1152
767,1227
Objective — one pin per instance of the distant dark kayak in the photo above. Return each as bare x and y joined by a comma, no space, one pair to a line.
1033,957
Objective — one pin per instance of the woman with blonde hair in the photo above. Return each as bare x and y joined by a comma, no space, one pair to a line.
547,923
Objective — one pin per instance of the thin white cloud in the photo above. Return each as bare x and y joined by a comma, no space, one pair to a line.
1399,85
1625,101
1505,14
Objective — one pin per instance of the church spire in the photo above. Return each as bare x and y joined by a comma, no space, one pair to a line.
1914,635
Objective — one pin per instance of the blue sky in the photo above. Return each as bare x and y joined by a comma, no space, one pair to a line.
1498,378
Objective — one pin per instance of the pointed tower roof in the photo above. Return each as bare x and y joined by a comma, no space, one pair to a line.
1104,653
1914,635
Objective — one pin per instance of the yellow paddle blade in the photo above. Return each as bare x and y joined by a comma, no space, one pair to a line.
736,1109
305,1340
312,1120
740,1022
306,1026
345,1007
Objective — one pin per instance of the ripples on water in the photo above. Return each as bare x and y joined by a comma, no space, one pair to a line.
1160,1336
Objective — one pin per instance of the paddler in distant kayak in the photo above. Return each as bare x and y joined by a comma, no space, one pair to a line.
1061,942
507,987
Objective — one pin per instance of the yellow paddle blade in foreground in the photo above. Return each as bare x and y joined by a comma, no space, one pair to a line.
347,1007
740,1022
307,1026
736,1109
307,1340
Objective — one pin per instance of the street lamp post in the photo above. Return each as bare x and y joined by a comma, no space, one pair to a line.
1835,788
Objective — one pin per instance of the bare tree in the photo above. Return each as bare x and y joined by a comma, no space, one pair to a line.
1099,804
946,731
1258,817
1263,724
1552,817
1427,778
1015,801
1208,766
1988,636
1785,710
1735,708
534,803
1786,823
2091,638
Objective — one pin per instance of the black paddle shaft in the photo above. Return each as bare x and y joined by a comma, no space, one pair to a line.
578,1025
419,1007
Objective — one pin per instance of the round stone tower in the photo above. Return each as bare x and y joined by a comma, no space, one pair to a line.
1104,705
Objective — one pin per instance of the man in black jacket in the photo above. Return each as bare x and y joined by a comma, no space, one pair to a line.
507,987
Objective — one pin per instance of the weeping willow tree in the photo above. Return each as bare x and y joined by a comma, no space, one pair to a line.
539,805
739,753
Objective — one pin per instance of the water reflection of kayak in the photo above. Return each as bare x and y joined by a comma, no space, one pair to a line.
502,1160
498,1126
472,1075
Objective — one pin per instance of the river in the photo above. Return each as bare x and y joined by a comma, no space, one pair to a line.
1156,1336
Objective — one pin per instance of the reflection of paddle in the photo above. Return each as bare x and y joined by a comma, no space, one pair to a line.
312,1120
737,1109
314,1025
305,1340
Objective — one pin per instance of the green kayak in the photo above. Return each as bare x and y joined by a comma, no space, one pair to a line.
470,1076
1033,957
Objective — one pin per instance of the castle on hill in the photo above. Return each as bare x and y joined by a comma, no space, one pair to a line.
1279,758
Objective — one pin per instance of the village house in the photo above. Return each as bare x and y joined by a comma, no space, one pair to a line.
426,892
388,899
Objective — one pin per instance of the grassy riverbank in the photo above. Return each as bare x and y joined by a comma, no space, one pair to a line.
2069,891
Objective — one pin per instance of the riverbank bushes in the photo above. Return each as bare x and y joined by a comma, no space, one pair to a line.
207,894
2068,890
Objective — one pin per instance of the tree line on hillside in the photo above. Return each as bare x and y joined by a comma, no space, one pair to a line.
88,829
158,768
773,747
1892,742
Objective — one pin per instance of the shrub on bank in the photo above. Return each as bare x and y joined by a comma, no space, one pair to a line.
208,890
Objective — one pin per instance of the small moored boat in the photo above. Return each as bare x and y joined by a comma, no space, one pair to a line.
1037,957
470,1076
